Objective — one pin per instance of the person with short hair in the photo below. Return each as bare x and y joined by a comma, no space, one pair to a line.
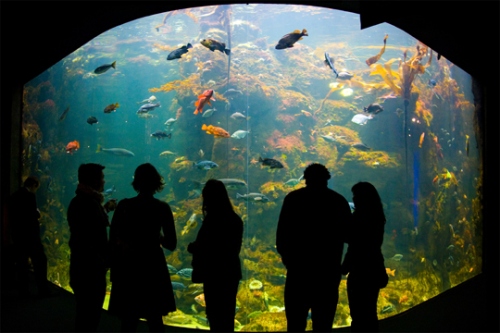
310,239
89,261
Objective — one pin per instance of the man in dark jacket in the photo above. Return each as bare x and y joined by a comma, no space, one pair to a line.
24,218
310,240
88,220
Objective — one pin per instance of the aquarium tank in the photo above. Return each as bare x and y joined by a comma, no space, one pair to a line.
239,85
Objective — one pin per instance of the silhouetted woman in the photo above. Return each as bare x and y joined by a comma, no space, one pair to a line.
364,260
216,261
141,282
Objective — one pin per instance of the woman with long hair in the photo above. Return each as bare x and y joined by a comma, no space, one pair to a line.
364,262
216,261
140,227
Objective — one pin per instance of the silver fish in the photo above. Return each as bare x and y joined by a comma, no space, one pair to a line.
115,151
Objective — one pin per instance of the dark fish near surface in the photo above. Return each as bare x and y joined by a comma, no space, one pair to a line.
111,108
205,165
104,68
115,151
161,135
289,39
272,163
92,120
176,54
213,45
63,115
361,146
373,108
329,63
148,107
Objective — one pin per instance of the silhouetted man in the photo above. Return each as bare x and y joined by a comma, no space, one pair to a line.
310,239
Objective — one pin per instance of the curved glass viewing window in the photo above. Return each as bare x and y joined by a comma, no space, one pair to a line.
393,114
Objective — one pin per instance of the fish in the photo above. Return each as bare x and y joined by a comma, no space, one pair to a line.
397,257
208,113
170,122
185,273
161,135
190,225
111,108
467,144
361,146
171,269
63,115
177,54
288,40
166,153
422,136
92,120
203,99
218,132
213,45
180,159
256,197
109,191
373,108
104,68
200,299
148,107
230,183
205,165
239,134
178,285
345,75
370,61
115,151
231,91
387,309
201,153
329,63
390,272
238,115
72,146
399,112
361,119
329,137
148,100
306,113
351,205
432,83
272,163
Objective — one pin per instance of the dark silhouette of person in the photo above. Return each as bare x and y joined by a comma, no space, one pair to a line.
24,217
88,242
218,244
364,262
310,240
141,226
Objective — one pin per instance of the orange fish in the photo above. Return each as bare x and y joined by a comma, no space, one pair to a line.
215,131
435,179
421,140
200,299
111,108
204,99
390,272
72,147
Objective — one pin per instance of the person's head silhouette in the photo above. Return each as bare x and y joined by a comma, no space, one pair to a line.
316,174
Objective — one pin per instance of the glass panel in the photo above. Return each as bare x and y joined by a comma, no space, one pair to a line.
396,116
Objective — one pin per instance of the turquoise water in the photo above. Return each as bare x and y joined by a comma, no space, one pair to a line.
423,157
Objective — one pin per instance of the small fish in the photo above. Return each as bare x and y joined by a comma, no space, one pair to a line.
203,99
148,107
373,108
422,136
397,257
72,146
467,144
256,197
171,269
390,272
177,54
109,191
115,151
63,115
92,120
200,299
345,75
161,135
213,45
306,113
272,163
329,138
111,108
218,132
232,92
148,100
361,119
329,63
288,40
208,113
239,134
205,165
170,122
293,181
329,122
399,112
201,153
185,273
180,159
190,224
387,309
238,115
361,146
166,153
178,285
432,83
104,68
